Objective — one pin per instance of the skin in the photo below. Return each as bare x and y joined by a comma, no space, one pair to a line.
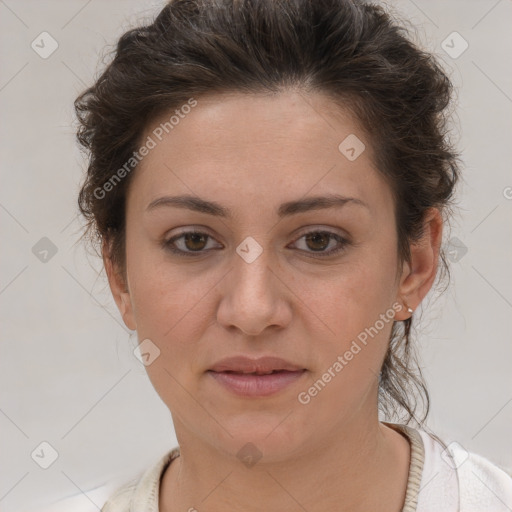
250,153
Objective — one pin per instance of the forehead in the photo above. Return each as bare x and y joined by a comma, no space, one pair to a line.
236,146
250,121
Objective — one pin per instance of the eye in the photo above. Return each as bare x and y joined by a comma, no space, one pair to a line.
195,243
192,243
318,241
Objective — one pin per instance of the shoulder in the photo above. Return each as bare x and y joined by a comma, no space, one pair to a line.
142,492
482,484
120,499
455,479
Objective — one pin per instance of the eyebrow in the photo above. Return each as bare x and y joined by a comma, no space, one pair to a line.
287,209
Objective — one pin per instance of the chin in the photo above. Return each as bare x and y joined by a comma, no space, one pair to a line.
262,437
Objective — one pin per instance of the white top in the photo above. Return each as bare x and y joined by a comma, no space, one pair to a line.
441,479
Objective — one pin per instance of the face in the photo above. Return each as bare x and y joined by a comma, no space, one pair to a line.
271,271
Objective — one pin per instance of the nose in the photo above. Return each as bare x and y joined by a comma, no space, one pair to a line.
254,297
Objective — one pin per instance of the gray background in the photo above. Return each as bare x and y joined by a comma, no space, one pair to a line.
68,374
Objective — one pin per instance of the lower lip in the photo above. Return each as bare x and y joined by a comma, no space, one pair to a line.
257,385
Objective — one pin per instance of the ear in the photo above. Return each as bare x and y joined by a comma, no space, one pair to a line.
119,289
419,274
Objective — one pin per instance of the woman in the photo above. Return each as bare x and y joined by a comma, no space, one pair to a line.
268,181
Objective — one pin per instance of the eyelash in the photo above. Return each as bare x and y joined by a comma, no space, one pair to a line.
344,242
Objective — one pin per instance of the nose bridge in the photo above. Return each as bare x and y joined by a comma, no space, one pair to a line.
249,299
253,266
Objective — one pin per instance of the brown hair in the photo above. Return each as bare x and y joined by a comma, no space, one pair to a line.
354,52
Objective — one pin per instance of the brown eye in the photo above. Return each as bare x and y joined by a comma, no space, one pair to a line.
195,241
318,241
188,243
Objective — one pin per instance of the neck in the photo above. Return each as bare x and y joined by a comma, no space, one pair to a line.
363,468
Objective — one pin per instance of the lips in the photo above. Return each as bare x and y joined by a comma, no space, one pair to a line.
260,366
261,377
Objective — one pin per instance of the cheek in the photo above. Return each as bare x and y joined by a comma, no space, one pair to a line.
165,295
359,291
173,311
171,304
174,305
357,308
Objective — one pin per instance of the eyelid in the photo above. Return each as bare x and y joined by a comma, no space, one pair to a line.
167,243
321,228
189,229
343,242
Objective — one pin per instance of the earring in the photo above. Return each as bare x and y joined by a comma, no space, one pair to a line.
409,309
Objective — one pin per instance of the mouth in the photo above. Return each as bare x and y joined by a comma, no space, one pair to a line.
259,366
270,372
261,377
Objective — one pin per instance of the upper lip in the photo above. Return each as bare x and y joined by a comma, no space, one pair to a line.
243,364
